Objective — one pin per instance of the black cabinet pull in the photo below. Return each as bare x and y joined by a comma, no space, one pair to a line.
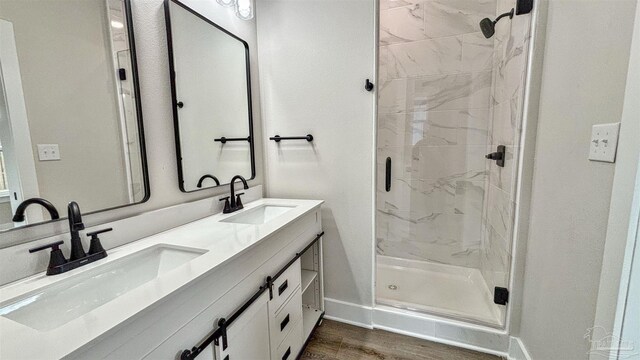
287,353
387,175
283,287
284,323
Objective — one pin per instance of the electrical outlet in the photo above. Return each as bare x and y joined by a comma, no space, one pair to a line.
604,142
48,152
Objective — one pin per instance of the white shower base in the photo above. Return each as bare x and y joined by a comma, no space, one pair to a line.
445,290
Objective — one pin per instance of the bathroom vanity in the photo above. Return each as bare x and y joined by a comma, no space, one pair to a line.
229,286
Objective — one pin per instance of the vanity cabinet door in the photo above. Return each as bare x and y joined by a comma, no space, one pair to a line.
248,335
285,285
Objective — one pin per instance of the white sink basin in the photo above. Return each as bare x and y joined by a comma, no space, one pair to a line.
57,304
259,215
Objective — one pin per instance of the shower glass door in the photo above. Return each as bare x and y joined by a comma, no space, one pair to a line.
447,97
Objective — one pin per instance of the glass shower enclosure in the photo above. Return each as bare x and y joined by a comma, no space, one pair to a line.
447,97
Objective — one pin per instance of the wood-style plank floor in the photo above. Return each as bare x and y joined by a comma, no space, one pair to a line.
337,341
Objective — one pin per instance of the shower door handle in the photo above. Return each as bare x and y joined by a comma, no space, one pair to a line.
387,176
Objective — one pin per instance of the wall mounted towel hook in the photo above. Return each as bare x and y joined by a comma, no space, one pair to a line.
368,85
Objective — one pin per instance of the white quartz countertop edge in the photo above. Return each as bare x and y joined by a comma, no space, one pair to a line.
223,242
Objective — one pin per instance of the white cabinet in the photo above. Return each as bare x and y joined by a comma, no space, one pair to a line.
248,336
294,306
291,257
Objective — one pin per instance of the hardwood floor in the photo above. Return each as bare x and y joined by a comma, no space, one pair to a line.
337,341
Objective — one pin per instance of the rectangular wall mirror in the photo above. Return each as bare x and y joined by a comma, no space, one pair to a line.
210,84
70,120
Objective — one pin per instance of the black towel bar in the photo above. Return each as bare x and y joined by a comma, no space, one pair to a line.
225,139
279,138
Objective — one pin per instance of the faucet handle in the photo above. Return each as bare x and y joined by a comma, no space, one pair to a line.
227,205
95,246
94,233
239,201
53,246
57,257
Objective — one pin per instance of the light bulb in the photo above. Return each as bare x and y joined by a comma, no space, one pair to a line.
244,9
116,24
226,3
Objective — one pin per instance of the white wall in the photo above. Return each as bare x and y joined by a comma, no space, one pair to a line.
314,59
155,93
618,228
583,83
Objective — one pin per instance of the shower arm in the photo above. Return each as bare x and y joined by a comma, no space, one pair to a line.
509,14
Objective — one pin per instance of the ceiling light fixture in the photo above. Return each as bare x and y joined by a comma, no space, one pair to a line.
244,9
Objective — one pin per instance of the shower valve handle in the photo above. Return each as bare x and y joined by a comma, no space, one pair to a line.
499,156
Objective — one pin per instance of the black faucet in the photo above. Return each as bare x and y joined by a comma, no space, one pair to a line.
234,203
57,262
209,176
75,225
19,216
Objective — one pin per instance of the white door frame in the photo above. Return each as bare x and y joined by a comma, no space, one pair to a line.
626,326
14,126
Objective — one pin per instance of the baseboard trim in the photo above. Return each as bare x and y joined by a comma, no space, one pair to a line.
457,344
517,350
348,313
432,328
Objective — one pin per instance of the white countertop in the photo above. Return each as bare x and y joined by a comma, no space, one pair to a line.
228,240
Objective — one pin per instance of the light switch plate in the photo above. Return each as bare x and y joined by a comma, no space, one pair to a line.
604,142
48,152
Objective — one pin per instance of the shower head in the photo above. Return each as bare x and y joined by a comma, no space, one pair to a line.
488,26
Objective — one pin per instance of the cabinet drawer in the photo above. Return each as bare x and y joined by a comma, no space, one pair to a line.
281,323
285,285
291,345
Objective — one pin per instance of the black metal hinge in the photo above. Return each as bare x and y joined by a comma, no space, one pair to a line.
222,325
500,295
270,286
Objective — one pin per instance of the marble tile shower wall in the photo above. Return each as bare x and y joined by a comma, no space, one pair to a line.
511,43
434,109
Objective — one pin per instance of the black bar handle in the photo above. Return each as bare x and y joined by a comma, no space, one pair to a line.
93,233
387,175
283,287
53,246
287,353
225,139
284,323
279,138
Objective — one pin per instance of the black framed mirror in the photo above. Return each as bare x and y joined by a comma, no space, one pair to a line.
70,114
211,95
